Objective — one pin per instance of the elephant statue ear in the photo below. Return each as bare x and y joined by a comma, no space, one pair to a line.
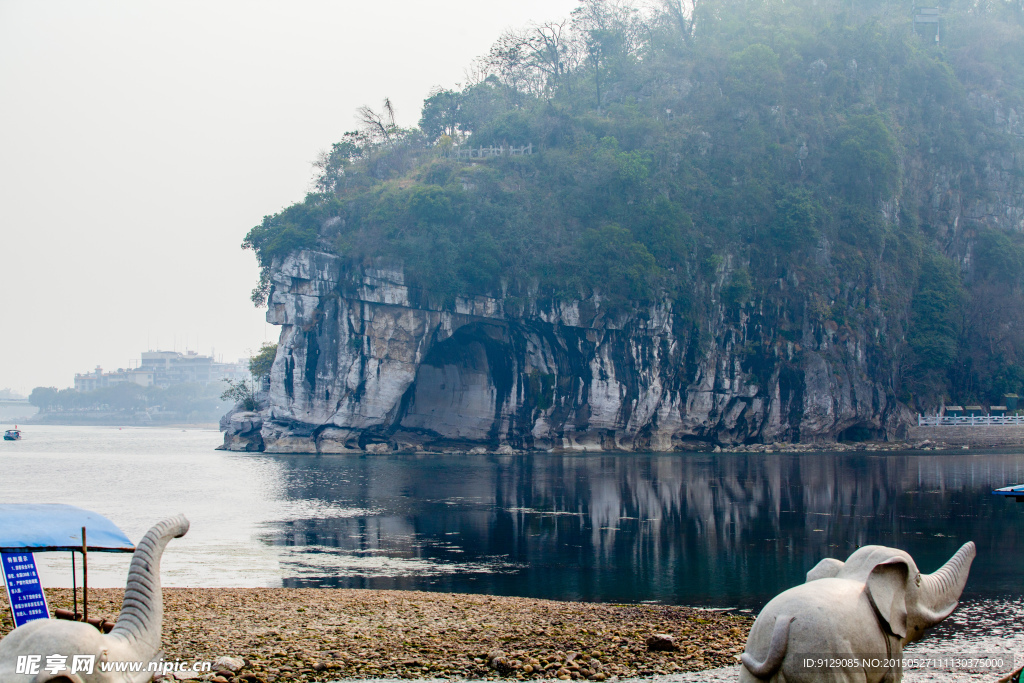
887,589
826,569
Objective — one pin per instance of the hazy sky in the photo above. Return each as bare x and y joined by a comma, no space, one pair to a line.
139,142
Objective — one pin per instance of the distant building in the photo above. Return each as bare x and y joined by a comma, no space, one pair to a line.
97,379
171,367
164,369
927,22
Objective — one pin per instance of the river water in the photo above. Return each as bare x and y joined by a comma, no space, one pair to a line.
724,530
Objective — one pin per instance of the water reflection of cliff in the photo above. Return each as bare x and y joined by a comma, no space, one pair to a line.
724,529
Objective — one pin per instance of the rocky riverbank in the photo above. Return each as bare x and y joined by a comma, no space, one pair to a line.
870,446
285,634
242,433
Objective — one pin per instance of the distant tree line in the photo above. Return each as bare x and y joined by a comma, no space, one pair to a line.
188,401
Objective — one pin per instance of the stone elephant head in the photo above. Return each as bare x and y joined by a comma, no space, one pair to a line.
869,606
134,638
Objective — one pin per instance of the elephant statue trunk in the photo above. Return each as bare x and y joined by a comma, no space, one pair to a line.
142,612
135,637
942,589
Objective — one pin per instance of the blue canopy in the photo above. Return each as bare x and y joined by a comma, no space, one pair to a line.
46,527
1017,491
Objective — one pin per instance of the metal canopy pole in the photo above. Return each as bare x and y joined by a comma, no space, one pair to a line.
85,578
74,584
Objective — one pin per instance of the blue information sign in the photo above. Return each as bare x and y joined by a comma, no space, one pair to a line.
23,588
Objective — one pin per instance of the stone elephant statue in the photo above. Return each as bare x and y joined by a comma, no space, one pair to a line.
869,606
134,638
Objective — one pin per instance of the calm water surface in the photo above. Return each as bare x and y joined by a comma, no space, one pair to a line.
714,530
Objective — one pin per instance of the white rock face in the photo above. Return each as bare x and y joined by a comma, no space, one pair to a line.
365,364
242,431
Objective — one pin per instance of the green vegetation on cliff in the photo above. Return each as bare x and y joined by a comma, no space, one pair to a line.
817,166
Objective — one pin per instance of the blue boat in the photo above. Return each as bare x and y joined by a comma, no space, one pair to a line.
12,434
1016,492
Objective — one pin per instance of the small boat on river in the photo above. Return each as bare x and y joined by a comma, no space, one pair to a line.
1016,492
12,434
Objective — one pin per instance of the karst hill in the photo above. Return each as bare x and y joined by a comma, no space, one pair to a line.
732,222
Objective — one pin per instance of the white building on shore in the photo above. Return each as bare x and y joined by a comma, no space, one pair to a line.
97,379
164,369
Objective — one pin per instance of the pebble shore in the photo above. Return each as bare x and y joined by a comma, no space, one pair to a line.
295,634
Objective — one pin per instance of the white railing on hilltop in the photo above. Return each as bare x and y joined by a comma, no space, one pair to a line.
483,152
968,421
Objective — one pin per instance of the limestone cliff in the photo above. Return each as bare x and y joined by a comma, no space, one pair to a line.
366,363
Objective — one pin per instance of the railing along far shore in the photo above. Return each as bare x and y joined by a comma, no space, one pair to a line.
968,420
484,152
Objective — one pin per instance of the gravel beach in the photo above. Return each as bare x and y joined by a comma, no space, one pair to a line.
287,634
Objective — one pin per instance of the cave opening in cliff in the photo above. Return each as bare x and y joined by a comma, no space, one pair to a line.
860,432
461,386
